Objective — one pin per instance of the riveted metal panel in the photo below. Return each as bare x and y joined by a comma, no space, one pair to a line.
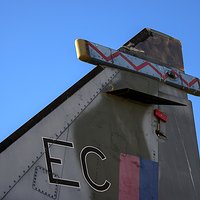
41,183
54,126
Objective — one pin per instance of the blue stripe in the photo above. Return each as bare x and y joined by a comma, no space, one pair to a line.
148,180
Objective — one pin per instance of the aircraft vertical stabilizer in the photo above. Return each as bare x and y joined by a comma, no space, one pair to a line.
124,131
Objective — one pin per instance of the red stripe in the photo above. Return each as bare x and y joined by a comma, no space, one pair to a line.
150,65
183,80
193,82
128,61
106,58
129,177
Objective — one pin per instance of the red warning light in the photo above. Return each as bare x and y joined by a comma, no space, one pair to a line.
160,115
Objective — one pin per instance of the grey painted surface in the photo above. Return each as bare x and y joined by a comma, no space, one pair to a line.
178,157
114,125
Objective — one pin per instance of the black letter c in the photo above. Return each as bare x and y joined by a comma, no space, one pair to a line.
83,156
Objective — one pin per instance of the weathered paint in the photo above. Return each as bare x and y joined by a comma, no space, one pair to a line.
148,180
129,176
138,179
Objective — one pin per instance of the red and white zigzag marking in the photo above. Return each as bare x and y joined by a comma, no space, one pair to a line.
143,65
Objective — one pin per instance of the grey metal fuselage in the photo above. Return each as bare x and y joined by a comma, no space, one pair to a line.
92,115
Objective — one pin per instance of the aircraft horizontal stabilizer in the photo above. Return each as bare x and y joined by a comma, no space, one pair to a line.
97,54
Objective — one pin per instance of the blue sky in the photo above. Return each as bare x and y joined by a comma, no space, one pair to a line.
38,59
